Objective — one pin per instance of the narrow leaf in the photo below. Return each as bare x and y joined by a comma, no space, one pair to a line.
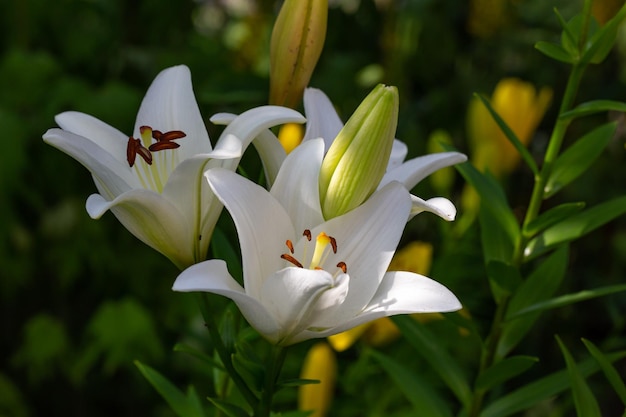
180,404
510,135
428,346
551,217
602,41
418,391
504,370
297,382
231,410
578,158
609,370
584,400
575,226
179,347
569,299
554,51
541,284
535,392
593,107
503,278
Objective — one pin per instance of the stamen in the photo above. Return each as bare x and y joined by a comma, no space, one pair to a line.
342,265
159,146
134,148
333,243
289,245
307,233
172,135
291,259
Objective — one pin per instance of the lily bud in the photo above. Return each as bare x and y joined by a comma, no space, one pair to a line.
320,364
356,161
296,45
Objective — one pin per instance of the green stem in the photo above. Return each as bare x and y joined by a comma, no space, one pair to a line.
276,358
490,352
223,352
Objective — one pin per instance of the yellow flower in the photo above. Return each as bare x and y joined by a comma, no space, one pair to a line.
604,10
320,364
290,136
522,107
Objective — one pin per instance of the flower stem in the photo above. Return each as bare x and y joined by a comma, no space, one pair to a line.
276,358
223,352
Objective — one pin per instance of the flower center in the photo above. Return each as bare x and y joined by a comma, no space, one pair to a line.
324,244
153,176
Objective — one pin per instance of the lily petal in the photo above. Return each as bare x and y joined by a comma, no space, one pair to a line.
366,238
399,151
169,104
440,206
262,225
323,120
212,276
411,172
400,292
113,177
152,219
296,185
106,137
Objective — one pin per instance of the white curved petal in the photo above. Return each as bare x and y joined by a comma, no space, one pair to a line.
399,151
263,225
366,239
291,295
272,154
212,276
114,176
169,104
152,219
249,124
440,206
322,119
414,170
107,137
296,186
222,118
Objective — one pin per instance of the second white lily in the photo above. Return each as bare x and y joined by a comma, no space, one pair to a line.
303,277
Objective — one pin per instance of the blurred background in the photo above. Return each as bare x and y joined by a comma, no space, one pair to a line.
81,299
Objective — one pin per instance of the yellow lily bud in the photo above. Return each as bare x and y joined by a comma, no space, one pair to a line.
356,161
321,364
290,135
604,10
344,340
522,107
296,45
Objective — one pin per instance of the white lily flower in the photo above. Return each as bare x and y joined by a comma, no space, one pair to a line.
324,122
152,181
305,278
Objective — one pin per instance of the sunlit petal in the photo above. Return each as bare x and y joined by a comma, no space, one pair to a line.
440,206
411,172
323,120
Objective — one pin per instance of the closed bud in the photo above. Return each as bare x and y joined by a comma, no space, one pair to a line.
356,161
296,45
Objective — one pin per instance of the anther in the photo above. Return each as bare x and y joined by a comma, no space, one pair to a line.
289,245
333,243
307,233
134,148
291,259
160,146
344,268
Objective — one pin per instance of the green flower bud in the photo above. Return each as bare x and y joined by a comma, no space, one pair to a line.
296,45
358,157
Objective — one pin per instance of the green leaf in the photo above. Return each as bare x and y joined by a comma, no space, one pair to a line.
231,410
418,391
575,227
510,135
504,370
551,217
249,365
297,382
554,51
504,278
609,370
179,347
593,107
535,392
569,299
182,405
496,243
601,42
584,400
492,197
578,158
436,355
541,284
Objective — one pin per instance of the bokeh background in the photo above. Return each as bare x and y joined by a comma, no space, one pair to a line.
81,299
